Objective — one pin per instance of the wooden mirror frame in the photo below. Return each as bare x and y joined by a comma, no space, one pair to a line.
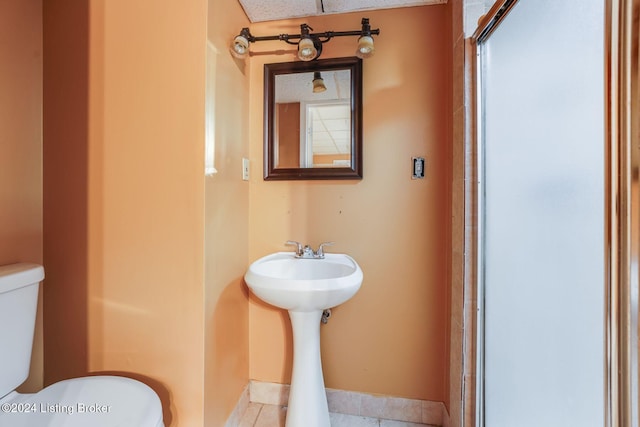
354,65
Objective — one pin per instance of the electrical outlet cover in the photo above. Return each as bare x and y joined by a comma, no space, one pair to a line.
418,168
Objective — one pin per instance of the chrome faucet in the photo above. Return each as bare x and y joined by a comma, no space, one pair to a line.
320,251
306,251
298,247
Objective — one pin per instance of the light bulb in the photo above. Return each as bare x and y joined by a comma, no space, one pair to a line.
365,47
306,49
318,83
240,47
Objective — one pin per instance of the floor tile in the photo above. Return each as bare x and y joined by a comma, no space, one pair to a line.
269,393
344,402
392,423
433,413
344,420
394,408
259,415
250,415
271,416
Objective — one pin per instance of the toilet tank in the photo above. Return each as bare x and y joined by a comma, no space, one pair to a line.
18,302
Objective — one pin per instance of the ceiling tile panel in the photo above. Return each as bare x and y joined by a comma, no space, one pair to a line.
260,10
271,10
343,6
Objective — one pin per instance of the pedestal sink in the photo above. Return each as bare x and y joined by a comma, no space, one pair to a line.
305,287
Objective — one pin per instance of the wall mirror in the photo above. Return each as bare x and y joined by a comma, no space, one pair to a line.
313,119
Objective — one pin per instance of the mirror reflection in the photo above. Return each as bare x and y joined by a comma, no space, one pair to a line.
313,119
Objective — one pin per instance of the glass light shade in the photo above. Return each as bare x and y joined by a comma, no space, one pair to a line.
306,50
318,83
365,47
240,47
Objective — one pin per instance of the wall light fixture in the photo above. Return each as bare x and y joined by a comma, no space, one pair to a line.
318,82
309,44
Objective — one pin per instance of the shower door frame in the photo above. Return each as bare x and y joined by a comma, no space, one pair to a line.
622,218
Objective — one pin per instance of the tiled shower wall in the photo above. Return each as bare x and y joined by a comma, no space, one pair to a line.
463,294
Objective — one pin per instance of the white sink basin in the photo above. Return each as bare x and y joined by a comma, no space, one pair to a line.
305,287
300,284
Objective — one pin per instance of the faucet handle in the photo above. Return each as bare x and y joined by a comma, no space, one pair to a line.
298,246
320,251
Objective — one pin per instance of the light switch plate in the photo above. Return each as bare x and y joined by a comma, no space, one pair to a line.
245,169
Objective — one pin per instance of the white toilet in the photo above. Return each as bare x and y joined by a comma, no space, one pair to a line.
100,401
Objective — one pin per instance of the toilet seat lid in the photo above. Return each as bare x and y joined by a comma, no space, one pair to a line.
101,401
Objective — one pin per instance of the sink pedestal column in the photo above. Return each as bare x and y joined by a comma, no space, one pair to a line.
307,397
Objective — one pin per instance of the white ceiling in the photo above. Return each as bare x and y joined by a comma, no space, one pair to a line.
298,87
270,10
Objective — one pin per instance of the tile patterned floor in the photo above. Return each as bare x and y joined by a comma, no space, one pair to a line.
259,415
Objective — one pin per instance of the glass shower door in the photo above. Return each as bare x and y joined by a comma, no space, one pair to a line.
542,216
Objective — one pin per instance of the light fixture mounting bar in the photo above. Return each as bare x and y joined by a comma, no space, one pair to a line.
286,37
241,42
327,35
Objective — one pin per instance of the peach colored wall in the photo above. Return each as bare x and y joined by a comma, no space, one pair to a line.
392,337
124,195
328,159
288,134
64,292
226,224
128,214
21,146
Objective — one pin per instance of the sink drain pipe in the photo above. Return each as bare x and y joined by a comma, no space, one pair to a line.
326,314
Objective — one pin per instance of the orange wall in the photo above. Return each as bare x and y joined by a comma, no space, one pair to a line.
21,145
392,337
65,145
145,256
328,159
226,224
287,117
124,195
